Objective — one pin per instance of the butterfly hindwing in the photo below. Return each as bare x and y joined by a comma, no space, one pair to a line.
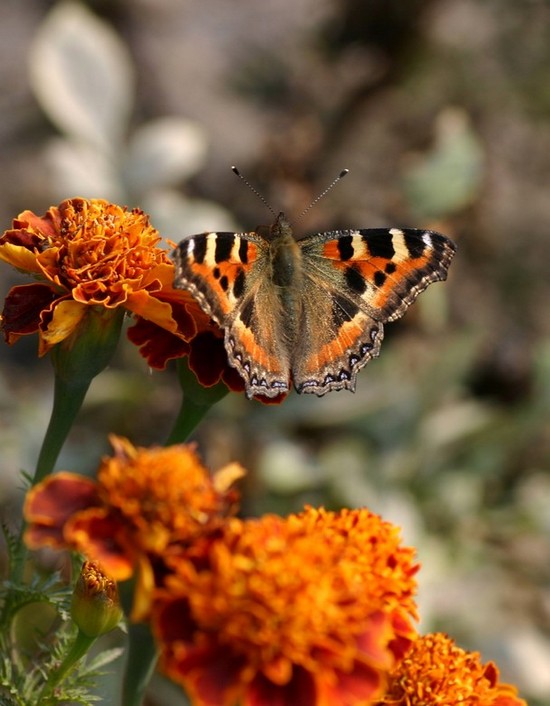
338,338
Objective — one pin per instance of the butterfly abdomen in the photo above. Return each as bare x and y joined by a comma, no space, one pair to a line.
286,276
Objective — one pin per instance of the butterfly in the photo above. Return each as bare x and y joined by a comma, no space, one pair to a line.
307,312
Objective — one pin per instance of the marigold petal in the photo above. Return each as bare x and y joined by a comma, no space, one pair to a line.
153,309
155,344
46,226
373,643
212,674
22,309
143,592
51,503
300,689
208,358
227,476
100,536
66,316
236,384
162,276
175,623
19,256
356,688
158,342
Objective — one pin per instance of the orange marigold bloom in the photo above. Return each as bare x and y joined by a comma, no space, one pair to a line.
94,254
313,609
144,503
436,672
84,253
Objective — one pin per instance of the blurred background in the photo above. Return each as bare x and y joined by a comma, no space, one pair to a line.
441,110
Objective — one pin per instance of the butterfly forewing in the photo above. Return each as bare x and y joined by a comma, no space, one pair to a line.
383,270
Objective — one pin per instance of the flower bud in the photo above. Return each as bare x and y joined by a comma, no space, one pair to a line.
95,606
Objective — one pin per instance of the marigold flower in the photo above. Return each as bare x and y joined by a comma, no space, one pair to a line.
436,672
313,609
91,254
84,253
144,503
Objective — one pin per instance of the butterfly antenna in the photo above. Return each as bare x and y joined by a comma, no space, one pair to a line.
254,190
323,193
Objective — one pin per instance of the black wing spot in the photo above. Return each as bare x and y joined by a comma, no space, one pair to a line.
238,285
379,278
243,251
355,280
345,247
379,242
415,244
224,283
390,268
223,247
199,249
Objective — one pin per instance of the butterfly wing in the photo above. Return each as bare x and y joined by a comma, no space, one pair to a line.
353,283
229,275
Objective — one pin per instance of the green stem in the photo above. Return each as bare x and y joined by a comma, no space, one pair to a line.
67,401
197,401
80,646
189,416
142,658
76,362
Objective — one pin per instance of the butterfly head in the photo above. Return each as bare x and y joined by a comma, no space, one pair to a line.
280,229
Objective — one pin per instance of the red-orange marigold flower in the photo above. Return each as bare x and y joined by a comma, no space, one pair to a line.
436,672
91,253
84,253
144,503
313,609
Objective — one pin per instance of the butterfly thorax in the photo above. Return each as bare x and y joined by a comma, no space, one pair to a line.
285,254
